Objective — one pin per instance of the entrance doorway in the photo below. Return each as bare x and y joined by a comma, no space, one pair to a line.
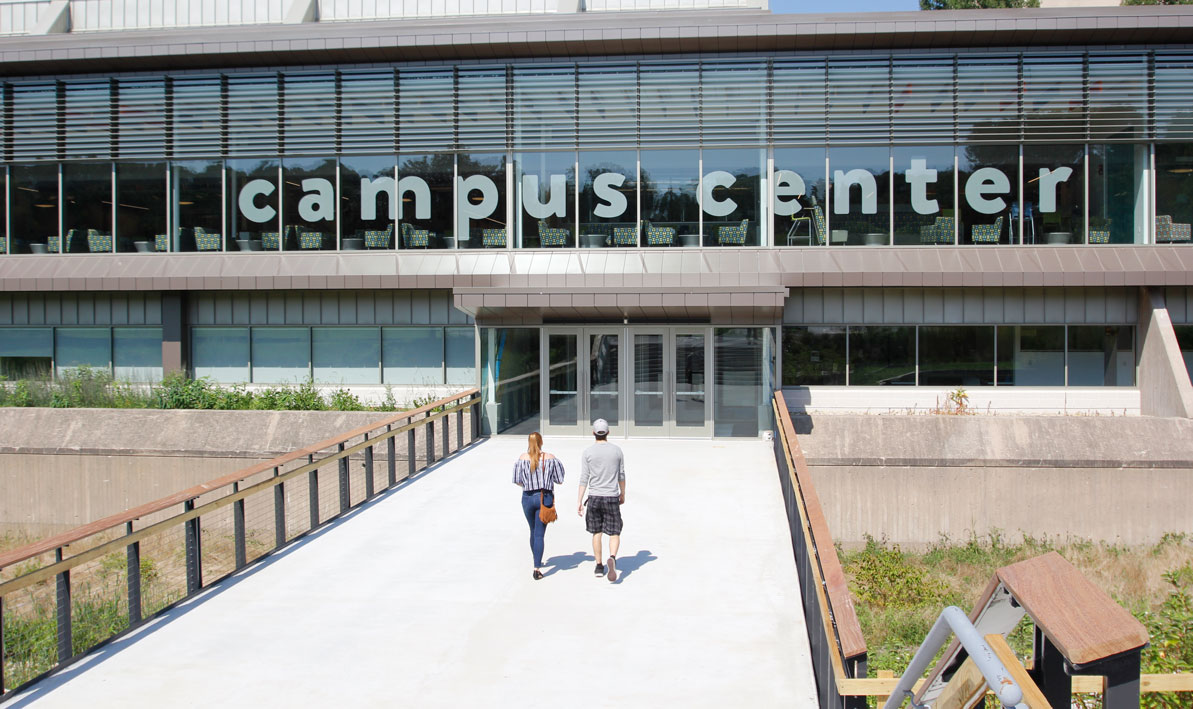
642,380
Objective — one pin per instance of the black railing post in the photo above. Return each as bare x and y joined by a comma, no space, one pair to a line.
343,482
194,556
63,599
474,415
279,512
1048,670
447,446
133,556
459,429
410,453
238,529
430,441
368,470
313,492
391,450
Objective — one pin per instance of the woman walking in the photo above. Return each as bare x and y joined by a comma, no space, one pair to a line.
537,472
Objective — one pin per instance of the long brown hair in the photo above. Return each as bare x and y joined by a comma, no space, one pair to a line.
534,449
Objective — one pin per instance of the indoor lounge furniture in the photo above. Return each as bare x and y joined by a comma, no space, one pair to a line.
1169,232
414,238
733,235
658,235
987,233
625,236
552,236
493,238
209,241
98,242
378,238
938,232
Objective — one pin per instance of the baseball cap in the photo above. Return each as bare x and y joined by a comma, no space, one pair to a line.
600,426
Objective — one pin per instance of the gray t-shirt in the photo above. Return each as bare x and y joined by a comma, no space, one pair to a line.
601,467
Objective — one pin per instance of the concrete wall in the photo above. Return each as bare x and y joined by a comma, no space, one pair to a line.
913,479
1164,387
60,468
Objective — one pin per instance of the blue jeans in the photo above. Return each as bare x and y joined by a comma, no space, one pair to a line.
530,506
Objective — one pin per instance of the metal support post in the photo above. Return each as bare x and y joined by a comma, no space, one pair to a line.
447,446
391,464
410,462
279,512
134,578
63,599
313,493
474,415
238,529
1120,678
430,441
368,470
194,556
459,429
1048,671
343,482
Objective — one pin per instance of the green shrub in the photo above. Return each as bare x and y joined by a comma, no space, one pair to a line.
344,400
884,577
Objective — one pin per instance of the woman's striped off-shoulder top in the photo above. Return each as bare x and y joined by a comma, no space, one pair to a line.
549,472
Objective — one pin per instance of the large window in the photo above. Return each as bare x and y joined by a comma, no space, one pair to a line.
87,207
956,356
1118,193
480,198
310,204
1174,192
1101,355
412,355
346,355
924,208
221,353
76,347
281,354
813,356
1054,183
510,379
859,196
546,188
426,202
882,356
738,380
732,197
34,198
608,198
253,219
198,187
368,193
800,197
988,179
26,352
459,356
670,205
1031,355
141,206
137,354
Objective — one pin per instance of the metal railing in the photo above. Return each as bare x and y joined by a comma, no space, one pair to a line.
834,633
64,595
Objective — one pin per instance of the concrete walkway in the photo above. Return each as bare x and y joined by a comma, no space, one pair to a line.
425,598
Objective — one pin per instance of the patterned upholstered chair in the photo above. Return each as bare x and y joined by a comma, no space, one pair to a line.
271,240
414,238
939,232
98,242
552,236
54,244
658,235
625,236
734,235
493,238
3,246
1101,235
210,241
379,238
161,242
987,233
1170,232
308,239
819,223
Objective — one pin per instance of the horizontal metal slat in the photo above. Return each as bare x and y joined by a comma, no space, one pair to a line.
367,112
252,106
196,117
426,120
1174,95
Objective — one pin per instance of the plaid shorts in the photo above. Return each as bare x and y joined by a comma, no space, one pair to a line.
604,515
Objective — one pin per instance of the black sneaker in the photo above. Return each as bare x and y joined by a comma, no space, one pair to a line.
599,571
611,564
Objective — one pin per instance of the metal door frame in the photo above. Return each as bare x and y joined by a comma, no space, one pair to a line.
583,337
664,429
669,428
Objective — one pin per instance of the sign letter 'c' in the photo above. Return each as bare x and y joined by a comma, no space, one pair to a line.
248,197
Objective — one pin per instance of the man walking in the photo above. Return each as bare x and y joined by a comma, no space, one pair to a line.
602,474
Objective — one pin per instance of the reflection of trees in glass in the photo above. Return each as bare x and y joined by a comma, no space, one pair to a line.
881,355
813,356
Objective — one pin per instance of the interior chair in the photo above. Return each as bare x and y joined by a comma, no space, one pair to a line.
625,236
987,233
211,241
414,238
1168,231
938,232
734,235
819,223
658,235
493,238
98,242
379,238
552,236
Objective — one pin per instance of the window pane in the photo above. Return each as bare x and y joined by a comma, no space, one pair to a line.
425,201
813,355
670,207
281,354
87,207
988,182
1101,355
309,197
253,203
34,198
482,200
26,353
1054,179
737,355
459,347
1184,337
137,354
510,379
1174,187
799,197
369,202
198,198
546,186
82,347
221,353
347,355
1118,193
608,198
367,111
881,355
859,196
732,197
141,207
1031,356
412,355
924,212
956,356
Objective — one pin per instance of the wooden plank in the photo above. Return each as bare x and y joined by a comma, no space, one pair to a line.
82,532
849,630
1032,696
884,674
1079,618
964,689
871,687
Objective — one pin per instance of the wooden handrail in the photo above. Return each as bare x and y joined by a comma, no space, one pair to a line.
82,532
840,600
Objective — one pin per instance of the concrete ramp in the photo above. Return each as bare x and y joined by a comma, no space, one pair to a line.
425,598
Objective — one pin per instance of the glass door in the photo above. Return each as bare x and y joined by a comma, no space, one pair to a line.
603,356
649,415
691,403
561,362
669,374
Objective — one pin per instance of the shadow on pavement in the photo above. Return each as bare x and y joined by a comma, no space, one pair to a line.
627,565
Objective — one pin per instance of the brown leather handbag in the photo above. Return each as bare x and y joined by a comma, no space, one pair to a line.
546,514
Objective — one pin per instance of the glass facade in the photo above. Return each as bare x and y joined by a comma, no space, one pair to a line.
959,355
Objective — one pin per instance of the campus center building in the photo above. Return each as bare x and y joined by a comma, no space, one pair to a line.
645,215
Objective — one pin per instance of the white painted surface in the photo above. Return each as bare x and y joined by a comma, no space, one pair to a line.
425,598
1103,401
